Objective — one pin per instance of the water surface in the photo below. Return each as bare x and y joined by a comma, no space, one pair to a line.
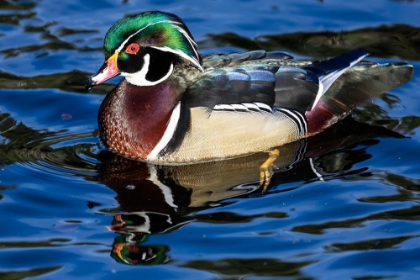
342,204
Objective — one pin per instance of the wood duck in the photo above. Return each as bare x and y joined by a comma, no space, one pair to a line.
173,107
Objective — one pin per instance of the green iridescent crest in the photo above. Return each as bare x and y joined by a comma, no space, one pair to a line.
155,29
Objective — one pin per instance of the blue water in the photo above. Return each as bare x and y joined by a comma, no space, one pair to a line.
69,209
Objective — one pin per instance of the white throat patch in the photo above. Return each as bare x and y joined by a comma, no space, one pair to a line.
139,78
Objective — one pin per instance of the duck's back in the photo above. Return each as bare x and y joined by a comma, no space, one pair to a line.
251,102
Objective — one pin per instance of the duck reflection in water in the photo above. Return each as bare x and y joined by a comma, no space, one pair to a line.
159,199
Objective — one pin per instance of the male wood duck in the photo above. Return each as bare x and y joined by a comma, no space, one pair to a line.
173,107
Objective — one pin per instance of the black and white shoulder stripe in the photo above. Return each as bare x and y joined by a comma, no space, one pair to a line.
297,117
244,107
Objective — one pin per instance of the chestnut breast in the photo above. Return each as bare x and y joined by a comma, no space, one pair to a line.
133,119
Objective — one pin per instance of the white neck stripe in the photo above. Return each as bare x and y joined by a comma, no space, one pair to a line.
167,135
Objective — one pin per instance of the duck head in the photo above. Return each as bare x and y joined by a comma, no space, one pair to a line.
145,47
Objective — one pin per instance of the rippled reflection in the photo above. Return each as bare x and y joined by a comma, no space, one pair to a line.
343,204
161,199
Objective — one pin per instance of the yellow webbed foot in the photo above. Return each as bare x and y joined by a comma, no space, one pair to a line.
266,169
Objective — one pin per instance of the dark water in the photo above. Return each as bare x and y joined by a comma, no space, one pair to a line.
348,208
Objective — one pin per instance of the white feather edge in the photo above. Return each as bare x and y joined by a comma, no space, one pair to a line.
243,106
263,105
326,81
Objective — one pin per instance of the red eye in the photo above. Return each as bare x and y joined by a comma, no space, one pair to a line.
133,48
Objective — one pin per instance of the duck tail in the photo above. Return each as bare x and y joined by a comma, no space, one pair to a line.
358,84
